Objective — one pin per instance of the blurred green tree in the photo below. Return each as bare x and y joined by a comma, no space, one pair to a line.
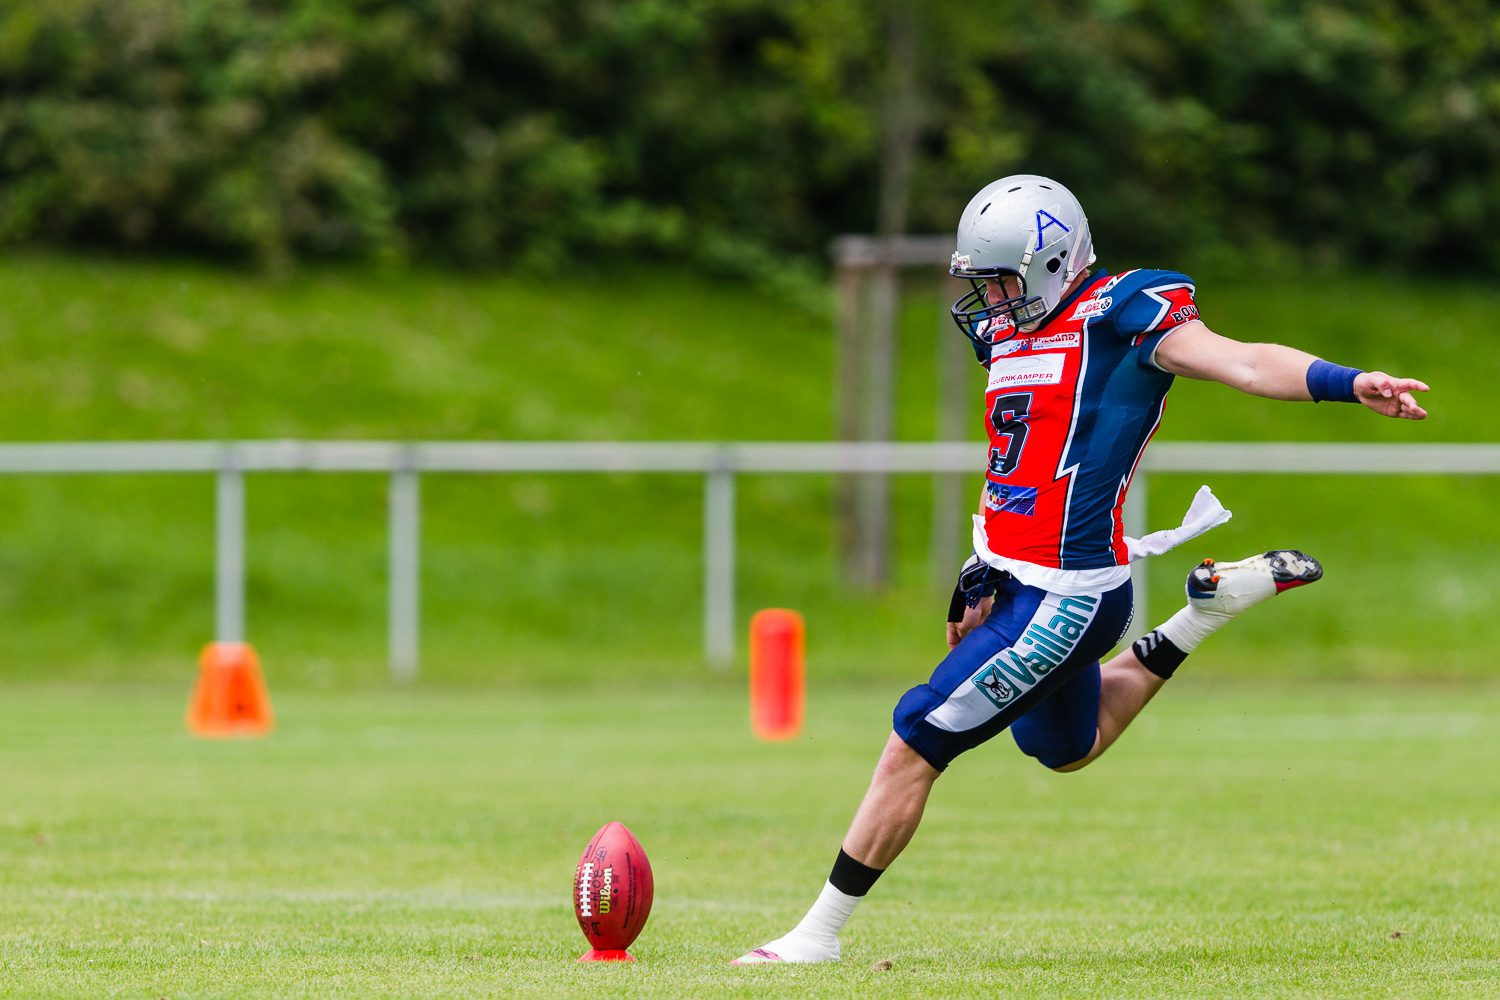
742,133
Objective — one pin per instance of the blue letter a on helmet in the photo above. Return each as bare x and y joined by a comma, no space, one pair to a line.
1042,226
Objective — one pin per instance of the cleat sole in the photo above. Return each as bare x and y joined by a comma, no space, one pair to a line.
1291,568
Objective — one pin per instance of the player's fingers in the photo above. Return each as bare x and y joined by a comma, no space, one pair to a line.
1408,385
973,617
1409,407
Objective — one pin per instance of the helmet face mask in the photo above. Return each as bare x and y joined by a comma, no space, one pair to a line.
1025,227
986,323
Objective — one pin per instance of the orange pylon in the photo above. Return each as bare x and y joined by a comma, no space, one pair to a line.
778,685
231,698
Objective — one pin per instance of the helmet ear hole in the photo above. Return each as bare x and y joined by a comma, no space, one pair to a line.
1053,265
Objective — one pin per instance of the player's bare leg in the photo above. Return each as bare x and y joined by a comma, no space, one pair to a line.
1217,593
887,817
892,807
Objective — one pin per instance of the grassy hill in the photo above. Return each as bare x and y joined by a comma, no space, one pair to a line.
561,577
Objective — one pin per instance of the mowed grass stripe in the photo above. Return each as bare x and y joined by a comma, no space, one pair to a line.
1245,839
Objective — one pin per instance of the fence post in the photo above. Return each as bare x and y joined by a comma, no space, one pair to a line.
229,552
405,572
1137,521
718,564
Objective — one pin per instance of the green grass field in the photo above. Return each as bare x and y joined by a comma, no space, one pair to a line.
1262,832
1245,839
550,579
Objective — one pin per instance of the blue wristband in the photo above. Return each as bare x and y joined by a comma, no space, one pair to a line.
1328,381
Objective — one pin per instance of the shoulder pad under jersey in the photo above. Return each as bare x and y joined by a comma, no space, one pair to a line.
1143,301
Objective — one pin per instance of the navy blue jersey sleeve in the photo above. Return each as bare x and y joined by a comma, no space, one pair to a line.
1152,304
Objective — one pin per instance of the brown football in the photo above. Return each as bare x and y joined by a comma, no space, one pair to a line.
612,889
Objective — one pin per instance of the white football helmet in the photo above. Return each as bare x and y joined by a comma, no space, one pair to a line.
1024,225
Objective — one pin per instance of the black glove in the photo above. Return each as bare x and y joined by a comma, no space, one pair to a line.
976,581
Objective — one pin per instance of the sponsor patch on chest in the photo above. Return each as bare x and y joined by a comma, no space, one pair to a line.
1072,338
1026,369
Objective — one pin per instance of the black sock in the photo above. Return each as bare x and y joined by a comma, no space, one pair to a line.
1158,654
850,877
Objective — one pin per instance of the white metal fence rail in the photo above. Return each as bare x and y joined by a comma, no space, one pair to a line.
718,463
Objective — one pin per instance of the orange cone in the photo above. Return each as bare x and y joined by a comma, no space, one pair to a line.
778,683
231,698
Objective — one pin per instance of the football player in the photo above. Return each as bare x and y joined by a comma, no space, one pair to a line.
1079,363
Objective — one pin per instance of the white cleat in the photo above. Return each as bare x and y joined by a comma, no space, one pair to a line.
794,948
1217,592
1223,590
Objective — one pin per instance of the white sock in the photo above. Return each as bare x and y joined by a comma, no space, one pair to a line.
828,915
816,937
1190,626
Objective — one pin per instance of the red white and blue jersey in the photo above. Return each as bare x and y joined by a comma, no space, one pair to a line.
1069,409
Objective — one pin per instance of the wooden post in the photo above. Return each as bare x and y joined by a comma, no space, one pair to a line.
873,490
867,311
899,126
848,362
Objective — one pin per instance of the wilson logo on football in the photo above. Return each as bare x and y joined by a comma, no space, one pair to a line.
609,877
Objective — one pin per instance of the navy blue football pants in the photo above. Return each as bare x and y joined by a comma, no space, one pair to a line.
1033,666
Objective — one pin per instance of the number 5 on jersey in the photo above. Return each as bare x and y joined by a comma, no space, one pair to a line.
1008,418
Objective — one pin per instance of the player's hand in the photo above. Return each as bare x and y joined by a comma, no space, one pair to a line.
973,618
1389,396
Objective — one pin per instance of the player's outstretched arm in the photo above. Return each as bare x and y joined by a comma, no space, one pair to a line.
1278,372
